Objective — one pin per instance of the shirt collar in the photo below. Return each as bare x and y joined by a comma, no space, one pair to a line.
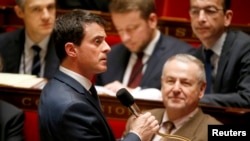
150,48
43,44
179,122
79,78
217,47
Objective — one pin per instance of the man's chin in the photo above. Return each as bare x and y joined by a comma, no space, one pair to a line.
175,105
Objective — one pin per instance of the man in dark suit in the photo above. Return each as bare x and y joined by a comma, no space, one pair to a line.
183,85
11,122
15,47
69,107
230,75
137,27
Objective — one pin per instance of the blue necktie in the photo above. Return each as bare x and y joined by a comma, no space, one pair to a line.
208,69
36,66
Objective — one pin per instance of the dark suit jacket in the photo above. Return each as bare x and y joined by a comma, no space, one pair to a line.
119,56
232,82
100,5
196,129
68,112
11,122
11,50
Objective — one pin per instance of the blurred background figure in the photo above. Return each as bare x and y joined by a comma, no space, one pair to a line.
226,53
137,62
30,50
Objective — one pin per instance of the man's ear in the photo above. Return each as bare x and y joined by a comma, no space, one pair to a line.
202,89
152,19
70,49
19,11
228,18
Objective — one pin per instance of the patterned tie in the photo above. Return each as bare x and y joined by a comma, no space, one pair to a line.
36,66
208,68
169,126
136,74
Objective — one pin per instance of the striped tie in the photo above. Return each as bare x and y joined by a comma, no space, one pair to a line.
36,66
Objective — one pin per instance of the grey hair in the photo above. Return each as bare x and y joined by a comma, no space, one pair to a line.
189,58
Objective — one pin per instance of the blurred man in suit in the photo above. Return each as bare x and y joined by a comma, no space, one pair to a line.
69,108
229,53
16,47
136,24
183,85
11,122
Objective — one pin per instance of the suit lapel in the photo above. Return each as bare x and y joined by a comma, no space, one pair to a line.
16,47
122,66
52,62
80,89
158,113
155,57
191,126
223,60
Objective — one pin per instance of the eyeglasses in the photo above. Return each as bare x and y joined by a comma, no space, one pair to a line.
208,11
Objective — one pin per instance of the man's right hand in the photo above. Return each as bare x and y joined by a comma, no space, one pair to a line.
145,125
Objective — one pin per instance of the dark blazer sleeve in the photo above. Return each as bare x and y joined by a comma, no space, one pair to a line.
11,122
11,49
131,137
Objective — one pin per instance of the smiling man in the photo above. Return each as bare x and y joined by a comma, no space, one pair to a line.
183,85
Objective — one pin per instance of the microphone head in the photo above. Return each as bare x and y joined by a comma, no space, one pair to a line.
125,97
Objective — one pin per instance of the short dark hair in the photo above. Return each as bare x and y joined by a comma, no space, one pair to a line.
70,27
146,7
226,5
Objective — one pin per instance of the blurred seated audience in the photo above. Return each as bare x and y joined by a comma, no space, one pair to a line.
136,63
30,50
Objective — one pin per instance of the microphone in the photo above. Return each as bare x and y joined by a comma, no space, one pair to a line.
128,101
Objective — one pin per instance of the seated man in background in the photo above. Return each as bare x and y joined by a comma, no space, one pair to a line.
143,46
227,53
30,50
183,85
11,122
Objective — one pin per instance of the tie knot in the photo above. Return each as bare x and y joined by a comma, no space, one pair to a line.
209,53
93,90
139,55
169,126
36,48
